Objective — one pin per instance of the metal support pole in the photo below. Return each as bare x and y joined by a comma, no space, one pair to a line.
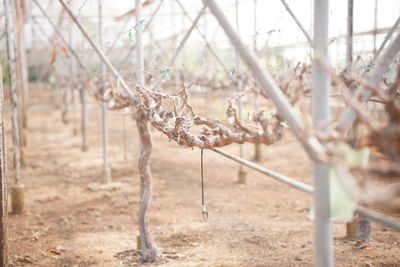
348,116
84,116
297,21
72,88
180,47
106,175
267,83
172,17
239,86
351,227
320,85
73,104
382,46
128,56
139,47
205,29
372,215
257,147
349,37
277,176
84,119
184,56
375,23
255,27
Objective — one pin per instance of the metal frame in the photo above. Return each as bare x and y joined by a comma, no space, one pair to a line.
320,100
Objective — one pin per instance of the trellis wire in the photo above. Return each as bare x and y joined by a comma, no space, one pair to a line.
311,146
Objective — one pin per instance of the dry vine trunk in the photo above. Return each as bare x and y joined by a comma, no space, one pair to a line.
149,252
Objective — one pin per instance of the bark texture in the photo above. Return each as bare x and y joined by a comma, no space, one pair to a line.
149,252
22,66
12,56
3,182
364,229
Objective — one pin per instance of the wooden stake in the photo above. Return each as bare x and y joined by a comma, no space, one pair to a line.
22,67
12,53
3,181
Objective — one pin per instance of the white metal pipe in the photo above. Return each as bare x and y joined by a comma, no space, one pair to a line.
375,216
277,176
382,46
349,37
266,81
348,116
375,23
103,104
128,56
320,84
255,27
297,21
139,46
84,118
239,85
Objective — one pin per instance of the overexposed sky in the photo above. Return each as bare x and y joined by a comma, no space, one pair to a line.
271,17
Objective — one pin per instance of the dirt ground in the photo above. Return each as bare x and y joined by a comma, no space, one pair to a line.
262,223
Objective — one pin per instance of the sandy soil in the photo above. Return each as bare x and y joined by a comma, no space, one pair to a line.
262,223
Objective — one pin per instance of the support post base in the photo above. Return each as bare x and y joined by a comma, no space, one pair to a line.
17,199
105,176
242,177
257,153
85,148
24,137
351,229
138,243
